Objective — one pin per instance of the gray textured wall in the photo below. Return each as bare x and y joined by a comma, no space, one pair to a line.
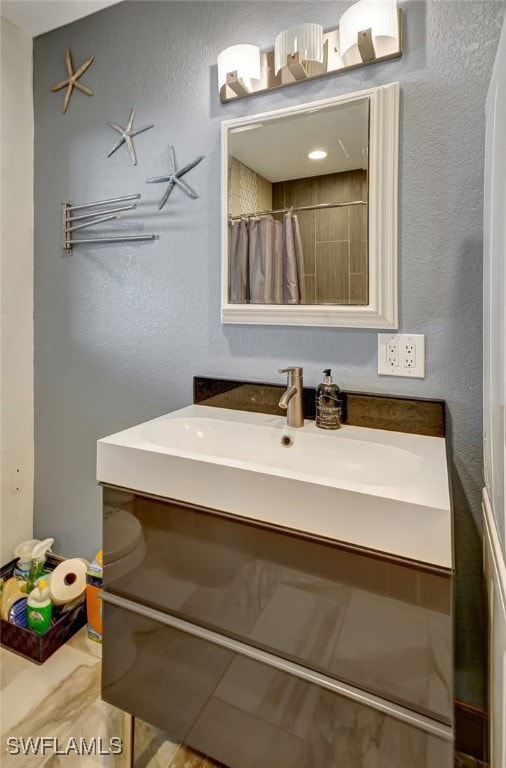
121,330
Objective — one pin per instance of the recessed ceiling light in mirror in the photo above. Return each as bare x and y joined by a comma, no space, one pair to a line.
317,154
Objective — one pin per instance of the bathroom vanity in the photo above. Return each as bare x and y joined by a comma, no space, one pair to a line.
270,609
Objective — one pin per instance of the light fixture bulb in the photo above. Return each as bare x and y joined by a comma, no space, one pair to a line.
317,154
304,39
244,59
380,16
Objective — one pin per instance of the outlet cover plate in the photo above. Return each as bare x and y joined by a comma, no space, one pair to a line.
401,354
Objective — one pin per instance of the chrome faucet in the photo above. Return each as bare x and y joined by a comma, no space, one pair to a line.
291,399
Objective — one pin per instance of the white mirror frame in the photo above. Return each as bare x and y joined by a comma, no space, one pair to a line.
382,310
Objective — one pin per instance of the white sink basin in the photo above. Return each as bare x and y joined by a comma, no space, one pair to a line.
312,454
386,491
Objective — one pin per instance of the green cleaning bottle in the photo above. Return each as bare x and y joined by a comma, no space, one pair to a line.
39,608
39,553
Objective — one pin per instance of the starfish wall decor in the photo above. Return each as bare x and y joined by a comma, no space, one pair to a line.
72,79
174,177
127,135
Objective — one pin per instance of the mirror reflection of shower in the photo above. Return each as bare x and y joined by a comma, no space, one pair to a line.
297,207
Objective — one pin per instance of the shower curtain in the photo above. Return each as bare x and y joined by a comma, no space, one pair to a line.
266,261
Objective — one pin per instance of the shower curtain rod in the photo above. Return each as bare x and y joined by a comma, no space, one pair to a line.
297,208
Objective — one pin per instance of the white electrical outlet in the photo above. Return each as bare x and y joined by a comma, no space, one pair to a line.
392,353
401,354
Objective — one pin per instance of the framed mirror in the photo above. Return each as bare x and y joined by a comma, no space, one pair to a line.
309,213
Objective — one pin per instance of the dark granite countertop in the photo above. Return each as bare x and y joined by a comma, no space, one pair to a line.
360,409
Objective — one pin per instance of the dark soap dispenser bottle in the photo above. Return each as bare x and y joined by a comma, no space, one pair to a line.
328,403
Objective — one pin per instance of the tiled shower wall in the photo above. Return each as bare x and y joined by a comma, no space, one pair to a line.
247,191
334,240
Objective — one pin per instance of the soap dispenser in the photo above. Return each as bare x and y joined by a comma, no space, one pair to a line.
328,403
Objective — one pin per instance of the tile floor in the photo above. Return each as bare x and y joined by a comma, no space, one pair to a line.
60,699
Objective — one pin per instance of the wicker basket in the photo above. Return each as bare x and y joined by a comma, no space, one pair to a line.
30,644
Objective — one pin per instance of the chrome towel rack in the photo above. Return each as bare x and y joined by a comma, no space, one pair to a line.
96,217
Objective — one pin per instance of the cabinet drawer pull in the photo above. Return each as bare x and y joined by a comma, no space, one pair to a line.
396,711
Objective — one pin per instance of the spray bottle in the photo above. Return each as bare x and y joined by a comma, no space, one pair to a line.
24,561
38,561
39,608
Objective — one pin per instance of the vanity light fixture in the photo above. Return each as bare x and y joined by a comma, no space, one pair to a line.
370,31
237,66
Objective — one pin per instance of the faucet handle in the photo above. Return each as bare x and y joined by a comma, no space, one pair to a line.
294,370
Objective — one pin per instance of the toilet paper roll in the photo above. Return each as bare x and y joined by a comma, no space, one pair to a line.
68,581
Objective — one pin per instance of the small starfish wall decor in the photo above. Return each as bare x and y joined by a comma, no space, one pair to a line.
174,177
127,135
72,80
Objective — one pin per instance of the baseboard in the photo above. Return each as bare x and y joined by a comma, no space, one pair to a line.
471,729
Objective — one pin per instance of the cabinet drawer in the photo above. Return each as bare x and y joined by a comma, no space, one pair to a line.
380,624
245,713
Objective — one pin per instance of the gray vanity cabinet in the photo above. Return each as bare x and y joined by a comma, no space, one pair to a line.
261,647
